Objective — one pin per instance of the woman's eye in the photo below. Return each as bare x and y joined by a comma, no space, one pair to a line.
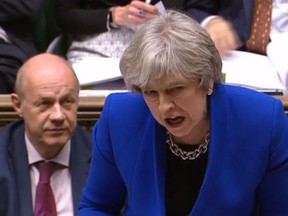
177,89
149,92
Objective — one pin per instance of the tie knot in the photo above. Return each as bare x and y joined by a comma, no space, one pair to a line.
46,169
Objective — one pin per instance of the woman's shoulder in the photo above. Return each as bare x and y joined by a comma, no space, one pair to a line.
239,93
124,100
246,100
126,105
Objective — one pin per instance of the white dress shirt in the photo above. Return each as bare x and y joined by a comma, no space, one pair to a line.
277,49
60,179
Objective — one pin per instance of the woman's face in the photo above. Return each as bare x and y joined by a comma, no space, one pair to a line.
180,106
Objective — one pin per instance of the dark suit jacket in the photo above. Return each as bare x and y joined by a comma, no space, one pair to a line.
238,12
15,186
90,16
16,18
247,158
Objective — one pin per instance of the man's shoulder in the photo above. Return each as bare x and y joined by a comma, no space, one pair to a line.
11,129
9,134
81,132
82,136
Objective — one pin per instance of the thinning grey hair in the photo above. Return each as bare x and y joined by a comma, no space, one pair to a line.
170,45
19,88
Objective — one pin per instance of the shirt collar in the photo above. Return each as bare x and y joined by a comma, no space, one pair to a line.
62,157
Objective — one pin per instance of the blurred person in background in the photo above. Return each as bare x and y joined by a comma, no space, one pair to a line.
104,28
259,26
16,41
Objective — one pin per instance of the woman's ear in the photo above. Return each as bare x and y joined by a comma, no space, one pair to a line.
211,84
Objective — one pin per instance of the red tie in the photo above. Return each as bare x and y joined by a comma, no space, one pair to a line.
259,36
44,200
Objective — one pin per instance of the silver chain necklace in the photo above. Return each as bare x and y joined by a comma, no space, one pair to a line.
185,155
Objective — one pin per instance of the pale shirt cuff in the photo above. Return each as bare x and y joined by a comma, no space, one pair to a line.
206,21
3,35
277,51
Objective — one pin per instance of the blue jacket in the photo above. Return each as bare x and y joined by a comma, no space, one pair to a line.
247,158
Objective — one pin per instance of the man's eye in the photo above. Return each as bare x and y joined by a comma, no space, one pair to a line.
69,101
43,103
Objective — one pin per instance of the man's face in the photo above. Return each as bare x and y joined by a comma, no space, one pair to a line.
49,109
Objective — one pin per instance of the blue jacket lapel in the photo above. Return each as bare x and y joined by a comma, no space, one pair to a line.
160,149
220,125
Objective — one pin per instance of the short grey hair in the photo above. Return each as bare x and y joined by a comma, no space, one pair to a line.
170,45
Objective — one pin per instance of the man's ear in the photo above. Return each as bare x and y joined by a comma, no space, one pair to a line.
16,102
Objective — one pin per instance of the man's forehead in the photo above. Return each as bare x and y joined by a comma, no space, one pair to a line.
53,94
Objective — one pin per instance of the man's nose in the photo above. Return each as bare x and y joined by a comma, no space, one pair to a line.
57,113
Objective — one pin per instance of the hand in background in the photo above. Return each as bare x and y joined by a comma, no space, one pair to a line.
223,35
133,14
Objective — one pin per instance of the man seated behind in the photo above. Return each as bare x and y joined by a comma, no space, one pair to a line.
46,98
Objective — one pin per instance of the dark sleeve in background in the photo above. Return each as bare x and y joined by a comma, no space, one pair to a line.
15,10
90,16
235,11
83,16
17,18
